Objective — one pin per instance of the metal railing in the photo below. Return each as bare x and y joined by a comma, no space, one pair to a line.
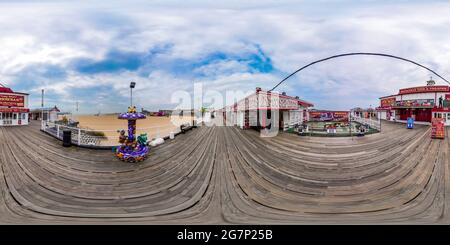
375,124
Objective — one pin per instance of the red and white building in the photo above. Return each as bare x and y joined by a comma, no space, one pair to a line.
262,107
13,107
421,103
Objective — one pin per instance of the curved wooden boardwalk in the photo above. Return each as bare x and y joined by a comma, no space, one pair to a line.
217,175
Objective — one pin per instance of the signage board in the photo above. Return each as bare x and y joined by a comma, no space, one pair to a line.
12,100
424,89
324,116
437,128
267,101
413,103
387,102
447,100
23,110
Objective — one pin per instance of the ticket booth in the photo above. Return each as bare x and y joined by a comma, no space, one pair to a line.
441,113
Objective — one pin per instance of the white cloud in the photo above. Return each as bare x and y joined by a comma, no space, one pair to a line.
292,34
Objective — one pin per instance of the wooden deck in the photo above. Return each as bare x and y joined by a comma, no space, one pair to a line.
217,175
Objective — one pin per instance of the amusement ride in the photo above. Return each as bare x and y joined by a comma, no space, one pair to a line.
132,148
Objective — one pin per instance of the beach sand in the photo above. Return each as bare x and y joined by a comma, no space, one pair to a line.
155,127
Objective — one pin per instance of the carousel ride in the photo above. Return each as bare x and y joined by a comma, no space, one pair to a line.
132,148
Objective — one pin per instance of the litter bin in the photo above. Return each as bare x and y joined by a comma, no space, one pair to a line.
67,138
183,128
410,123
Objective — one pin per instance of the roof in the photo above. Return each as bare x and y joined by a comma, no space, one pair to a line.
131,115
261,100
328,111
4,89
388,96
359,109
305,103
46,109
300,101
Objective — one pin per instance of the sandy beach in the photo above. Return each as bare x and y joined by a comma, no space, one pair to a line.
109,124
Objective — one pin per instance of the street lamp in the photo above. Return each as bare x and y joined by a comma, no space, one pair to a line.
42,105
132,85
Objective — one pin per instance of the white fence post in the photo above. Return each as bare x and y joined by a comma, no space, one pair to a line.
79,136
57,131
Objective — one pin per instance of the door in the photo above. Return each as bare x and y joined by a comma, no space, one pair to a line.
404,114
7,118
246,119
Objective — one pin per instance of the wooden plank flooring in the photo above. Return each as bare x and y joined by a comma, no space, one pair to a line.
220,175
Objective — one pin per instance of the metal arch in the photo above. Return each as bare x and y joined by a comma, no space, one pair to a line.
351,54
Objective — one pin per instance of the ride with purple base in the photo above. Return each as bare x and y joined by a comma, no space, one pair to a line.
132,149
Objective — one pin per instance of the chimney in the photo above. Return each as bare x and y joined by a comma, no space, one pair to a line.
283,93
297,97
258,89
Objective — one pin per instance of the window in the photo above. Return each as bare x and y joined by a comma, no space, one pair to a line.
1,116
14,116
448,116
24,116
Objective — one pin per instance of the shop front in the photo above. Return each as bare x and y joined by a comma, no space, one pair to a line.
13,108
265,110
417,102
418,114
13,117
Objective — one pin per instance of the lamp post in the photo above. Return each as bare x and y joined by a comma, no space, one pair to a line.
379,119
76,111
42,105
350,119
132,85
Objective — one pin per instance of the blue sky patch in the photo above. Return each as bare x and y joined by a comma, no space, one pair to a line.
114,61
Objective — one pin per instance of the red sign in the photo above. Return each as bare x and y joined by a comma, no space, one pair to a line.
415,103
12,100
424,89
447,97
388,102
23,110
323,116
437,128
440,109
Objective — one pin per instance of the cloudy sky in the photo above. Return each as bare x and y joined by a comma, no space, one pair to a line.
90,51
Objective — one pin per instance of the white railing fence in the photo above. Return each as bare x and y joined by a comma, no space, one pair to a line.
372,123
